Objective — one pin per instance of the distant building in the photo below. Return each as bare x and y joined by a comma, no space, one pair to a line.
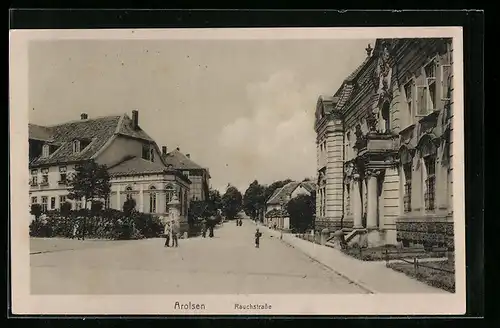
134,163
199,176
384,147
276,213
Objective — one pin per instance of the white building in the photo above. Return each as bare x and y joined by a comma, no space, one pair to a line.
384,155
276,213
134,163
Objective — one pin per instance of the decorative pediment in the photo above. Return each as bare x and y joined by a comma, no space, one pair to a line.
426,145
406,155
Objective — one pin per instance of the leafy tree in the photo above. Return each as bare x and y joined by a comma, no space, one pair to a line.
129,206
254,199
215,199
231,202
301,210
36,210
90,181
65,209
96,207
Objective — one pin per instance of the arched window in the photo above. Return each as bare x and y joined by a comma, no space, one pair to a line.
76,146
45,151
169,194
152,199
406,163
386,115
428,152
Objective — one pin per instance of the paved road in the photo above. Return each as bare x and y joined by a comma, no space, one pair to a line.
226,264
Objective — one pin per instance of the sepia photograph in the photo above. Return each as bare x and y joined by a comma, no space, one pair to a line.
238,171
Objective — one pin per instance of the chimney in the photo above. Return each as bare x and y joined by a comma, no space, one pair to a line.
164,150
188,155
135,119
84,116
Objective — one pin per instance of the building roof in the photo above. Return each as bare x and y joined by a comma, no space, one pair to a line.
308,185
96,131
134,165
38,132
179,161
282,194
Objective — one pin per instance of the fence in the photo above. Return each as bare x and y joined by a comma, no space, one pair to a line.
414,260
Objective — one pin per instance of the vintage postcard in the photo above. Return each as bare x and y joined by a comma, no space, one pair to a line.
237,171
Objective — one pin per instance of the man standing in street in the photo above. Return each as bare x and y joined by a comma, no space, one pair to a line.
175,233
167,234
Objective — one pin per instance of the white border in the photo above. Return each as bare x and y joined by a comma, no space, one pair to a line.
379,304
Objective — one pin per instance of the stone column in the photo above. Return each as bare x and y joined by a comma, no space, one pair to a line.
141,198
372,199
118,204
356,203
334,172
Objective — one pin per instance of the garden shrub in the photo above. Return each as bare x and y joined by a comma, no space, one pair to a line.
98,224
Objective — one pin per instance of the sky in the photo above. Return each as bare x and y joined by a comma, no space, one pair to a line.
242,108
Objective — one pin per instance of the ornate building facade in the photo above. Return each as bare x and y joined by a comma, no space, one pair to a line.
384,147
135,165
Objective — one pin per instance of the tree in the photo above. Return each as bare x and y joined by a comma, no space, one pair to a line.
254,199
36,210
65,209
90,181
231,202
215,199
129,207
301,210
96,207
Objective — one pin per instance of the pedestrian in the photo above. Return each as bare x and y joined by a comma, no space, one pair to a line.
167,234
211,227
258,234
75,230
204,228
241,222
175,234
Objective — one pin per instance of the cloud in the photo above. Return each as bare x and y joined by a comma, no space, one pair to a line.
277,140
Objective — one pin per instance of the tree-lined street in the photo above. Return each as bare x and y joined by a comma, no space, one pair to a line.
227,263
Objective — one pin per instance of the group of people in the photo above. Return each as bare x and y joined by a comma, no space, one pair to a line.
172,230
239,222
205,226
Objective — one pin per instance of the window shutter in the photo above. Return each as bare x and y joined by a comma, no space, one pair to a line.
421,100
445,82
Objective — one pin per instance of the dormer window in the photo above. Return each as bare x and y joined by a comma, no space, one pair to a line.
76,146
45,151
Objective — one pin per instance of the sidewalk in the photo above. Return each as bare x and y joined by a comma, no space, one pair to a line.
374,277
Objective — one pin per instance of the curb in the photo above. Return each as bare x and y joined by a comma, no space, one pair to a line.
353,281
343,275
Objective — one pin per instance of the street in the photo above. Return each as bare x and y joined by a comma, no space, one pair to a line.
226,264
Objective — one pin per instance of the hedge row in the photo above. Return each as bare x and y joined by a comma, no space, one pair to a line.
108,224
